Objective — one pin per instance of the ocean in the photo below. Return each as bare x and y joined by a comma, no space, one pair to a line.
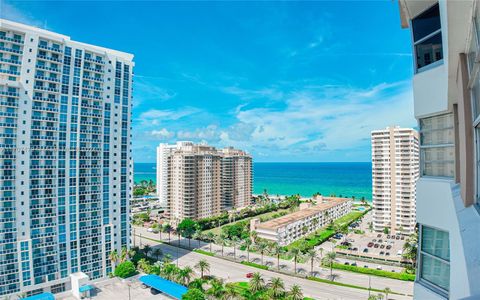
345,178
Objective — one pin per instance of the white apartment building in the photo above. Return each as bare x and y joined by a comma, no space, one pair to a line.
446,87
286,229
395,170
200,181
65,158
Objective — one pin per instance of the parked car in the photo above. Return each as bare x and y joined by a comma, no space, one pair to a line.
387,254
365,266
389,247
382,246
374,240
370,245
365,250
346,263
354,264
249,275
376,246
355,249
402,238
379,267
399,252
398,237
380,240
393,271
382,253
379,235
388,236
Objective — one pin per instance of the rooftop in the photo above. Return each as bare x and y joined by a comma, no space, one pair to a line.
326,203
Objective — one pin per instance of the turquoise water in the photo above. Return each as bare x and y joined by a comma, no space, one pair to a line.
346,179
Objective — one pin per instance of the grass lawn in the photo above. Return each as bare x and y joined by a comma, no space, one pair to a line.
218,230
251,264
380,273
242,287
203,252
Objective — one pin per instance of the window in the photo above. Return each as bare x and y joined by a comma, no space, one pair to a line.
437,148
473,58
427,37
434,263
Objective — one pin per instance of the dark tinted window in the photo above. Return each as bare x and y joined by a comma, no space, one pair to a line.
426,23
429,50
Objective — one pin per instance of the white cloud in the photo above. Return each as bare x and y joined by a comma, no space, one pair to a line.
9,12
208,134
323,119
156,116
162,133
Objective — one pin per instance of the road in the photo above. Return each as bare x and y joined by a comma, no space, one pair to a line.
232,271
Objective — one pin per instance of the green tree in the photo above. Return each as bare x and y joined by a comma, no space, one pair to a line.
169,271
216,289
248,244
147,249
277,251
262,248
197,283
387,291
202,266
187,228
113,258
197,235
295,293
231,292
167,228
295,252
386,230
257,283
125,269
312,255
277,288
220,240
234,242
184,275
410,248
329,259
193,294
157,252
211,239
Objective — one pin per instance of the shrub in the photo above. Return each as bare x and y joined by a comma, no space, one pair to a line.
254,265
193,294
400,276
203,252
125,269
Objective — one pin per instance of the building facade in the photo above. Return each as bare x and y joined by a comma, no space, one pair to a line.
395,170
65,158
446,87
286,229
200,181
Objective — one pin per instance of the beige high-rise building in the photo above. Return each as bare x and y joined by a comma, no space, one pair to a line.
395,169
200,181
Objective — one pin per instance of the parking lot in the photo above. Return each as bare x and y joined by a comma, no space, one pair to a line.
371,245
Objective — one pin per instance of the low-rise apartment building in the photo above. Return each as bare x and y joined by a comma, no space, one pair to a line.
286,229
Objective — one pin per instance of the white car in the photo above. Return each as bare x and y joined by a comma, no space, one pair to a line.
150,229
399,252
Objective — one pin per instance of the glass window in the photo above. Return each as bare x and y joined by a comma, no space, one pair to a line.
437,146
435,259
427,37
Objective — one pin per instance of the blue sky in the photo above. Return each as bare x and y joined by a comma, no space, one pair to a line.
286,81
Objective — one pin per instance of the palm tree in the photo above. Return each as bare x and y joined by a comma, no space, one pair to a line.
123,254
248,244
113,258
277,287
220,240
197,235
216,289
147,249
196,284
295,293
410,248
184,275
234,241
257,283
277,251
231,292
167,258
321,252
253,236
262,247
169,271
157,252
202,266
295,252
329,259
312,255
210,238
131,252
168,229
387,291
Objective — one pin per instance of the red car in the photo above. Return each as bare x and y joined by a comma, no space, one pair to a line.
249,275
370,245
